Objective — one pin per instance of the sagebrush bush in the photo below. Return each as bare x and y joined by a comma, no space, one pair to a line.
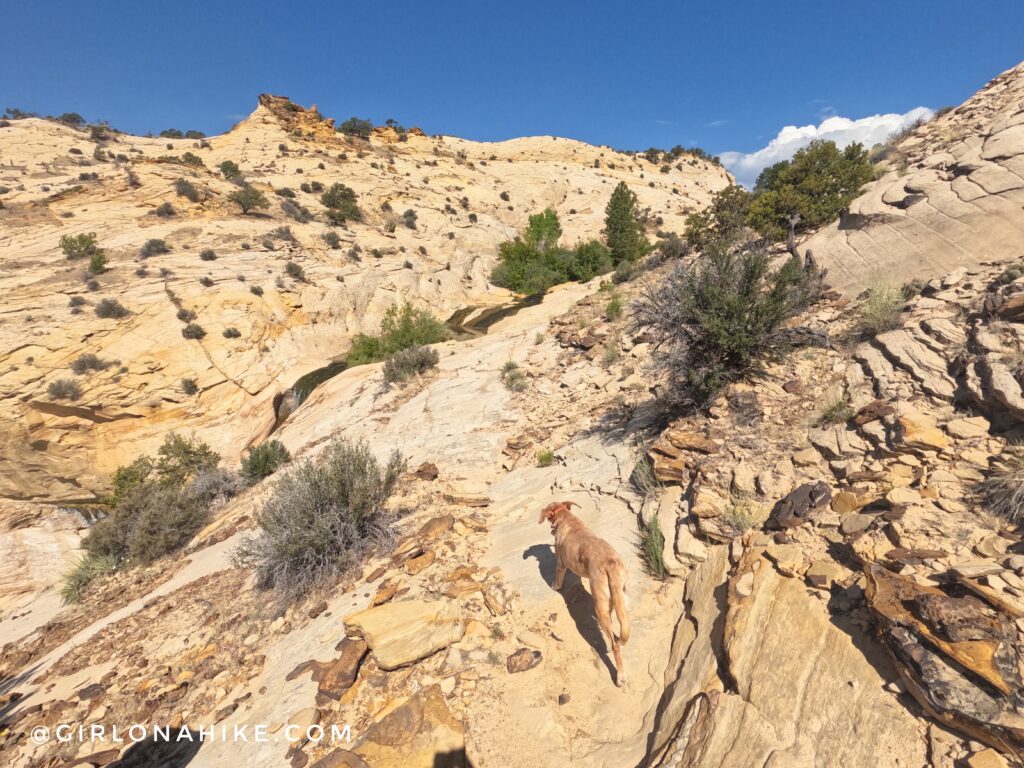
89,362
164,210
154,247
294,271
193,331
263,461
187,189
324,517
403,326
64,389
512,377
110,308
208,254
407,363
189,386
716,320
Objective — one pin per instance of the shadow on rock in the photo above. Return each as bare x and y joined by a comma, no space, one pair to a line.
160,754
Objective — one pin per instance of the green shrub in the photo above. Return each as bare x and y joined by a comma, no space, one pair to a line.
80,246
652,548
403,327
613,311
97,263
1002,492
809,190
332,240
231,333
341,204
189,386
407,363
230,170
409,218
589,260
154,247
208,254
623,227
294,271
881,311
164,210
64,389
263,461
723,220
512,377
74,582
355,126
186,315
836,409
110,308
713,322
187,189
324,518
88,362
295,211
285,192
545,458
247,198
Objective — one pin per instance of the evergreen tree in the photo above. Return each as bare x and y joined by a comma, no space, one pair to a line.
622,226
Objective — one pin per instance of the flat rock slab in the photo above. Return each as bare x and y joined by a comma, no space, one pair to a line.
400,633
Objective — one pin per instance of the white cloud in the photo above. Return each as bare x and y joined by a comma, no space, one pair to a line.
746,166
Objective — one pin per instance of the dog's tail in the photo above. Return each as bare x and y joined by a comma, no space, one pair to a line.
617,587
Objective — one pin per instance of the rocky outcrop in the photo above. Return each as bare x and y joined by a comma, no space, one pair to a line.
405,631
953,197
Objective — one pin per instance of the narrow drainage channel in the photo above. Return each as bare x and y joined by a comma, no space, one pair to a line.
467,323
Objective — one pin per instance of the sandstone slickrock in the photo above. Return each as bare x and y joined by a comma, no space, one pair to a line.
400,633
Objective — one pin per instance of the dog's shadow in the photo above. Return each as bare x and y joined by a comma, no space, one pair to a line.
577,599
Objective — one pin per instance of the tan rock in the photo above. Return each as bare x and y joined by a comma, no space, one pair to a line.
414,734
400,633
918,431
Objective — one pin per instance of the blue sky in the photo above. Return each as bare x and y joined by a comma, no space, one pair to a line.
724,75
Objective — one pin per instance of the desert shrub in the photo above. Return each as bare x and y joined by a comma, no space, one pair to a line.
88,362
324,517
64,389
1002,492
881,311
623,227
193,331
255,290
625,271
192,159
79,246
187,189
589,260
835,409
285,192
545,458
76,301
110,308
247,198
651,545
154,247
298,212
164,210
403,326
171,133
97,263
409,218
263,461
912,288
512,376
206,281
341,204
87,569
714,321
332,240
355,126
723,220
282,233
186,315
231,333
613,311
407,363
208,254
230,170
294,271
809,190
189,386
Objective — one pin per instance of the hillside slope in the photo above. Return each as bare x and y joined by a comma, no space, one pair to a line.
954,197
467,196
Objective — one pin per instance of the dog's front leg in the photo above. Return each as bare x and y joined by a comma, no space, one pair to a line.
559,574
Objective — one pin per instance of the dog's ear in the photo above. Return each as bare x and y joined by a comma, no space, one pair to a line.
547,512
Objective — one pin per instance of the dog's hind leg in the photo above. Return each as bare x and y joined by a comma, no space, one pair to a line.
559,575
602,607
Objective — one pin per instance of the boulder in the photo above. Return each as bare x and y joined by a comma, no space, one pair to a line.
421,733
801,505
403,632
